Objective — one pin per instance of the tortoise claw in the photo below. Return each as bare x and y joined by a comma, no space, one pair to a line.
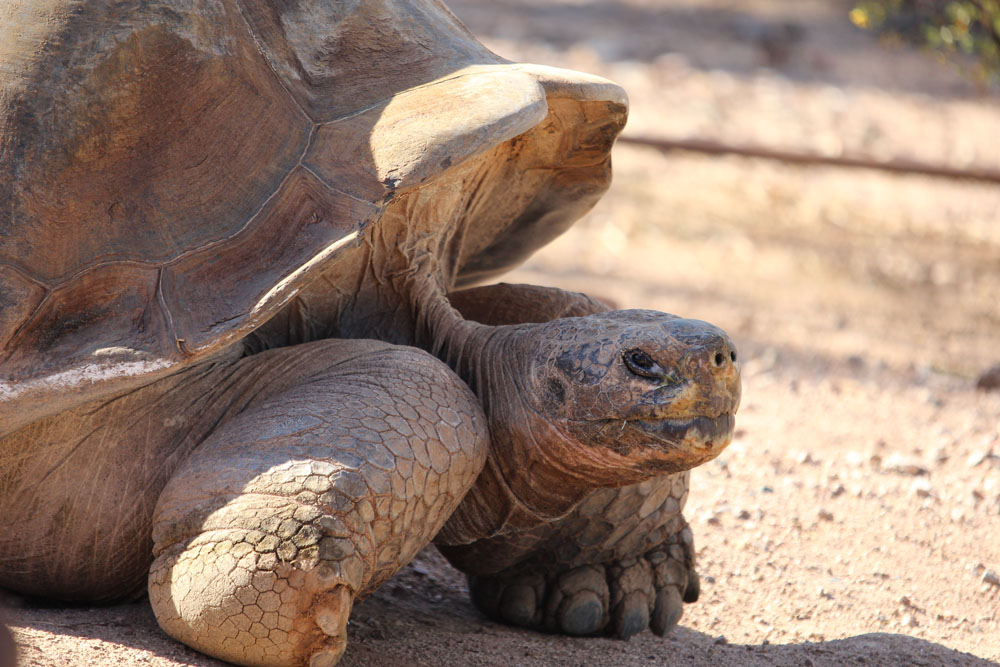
578,601
519,605
666,612
693,590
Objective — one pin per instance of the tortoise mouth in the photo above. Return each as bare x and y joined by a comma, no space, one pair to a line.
699,431
679,430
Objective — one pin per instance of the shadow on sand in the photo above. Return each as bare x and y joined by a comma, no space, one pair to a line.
423,617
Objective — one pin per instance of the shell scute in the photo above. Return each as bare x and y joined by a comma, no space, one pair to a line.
302,226
419,133
139,158
19,297
336,58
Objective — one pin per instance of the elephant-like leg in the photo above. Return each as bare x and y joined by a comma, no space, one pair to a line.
310,498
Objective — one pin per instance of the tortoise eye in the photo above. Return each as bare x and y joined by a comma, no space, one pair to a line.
641,364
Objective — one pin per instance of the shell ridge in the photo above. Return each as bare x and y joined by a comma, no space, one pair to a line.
270,66
253,216
24,273
73,277
69,278
329,187
10,346
165,309
129,261
474,70
227,239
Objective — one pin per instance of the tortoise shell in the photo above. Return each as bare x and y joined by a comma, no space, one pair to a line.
175,172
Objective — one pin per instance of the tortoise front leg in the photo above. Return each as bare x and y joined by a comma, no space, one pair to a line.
622,560
619,561
310,498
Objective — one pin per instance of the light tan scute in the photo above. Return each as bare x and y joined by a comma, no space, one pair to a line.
412,137
338,57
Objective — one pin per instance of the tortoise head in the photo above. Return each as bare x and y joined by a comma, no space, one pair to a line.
579,403
639,392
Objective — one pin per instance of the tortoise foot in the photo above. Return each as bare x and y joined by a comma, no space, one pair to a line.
620,598
250,608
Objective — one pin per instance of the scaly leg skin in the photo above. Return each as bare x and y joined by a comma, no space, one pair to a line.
621,560
310,498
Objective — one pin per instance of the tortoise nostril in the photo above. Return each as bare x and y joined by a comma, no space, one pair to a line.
719,359
732,356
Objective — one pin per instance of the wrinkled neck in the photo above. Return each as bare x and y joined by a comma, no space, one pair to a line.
534,473
529,477
442,331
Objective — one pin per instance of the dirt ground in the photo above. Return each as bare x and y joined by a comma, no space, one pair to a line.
855,519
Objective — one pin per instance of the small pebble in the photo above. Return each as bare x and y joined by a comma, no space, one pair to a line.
825,515
990,380
978,457
805,458
921,487
990,577
904,466
856,459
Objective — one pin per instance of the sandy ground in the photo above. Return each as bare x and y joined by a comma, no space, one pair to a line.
855,519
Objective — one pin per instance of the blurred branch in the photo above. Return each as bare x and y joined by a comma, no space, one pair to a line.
969,27
899,166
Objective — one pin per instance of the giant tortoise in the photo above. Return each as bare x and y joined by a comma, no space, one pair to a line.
244,364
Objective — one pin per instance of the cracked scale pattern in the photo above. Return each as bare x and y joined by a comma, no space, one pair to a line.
289,512
622,560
